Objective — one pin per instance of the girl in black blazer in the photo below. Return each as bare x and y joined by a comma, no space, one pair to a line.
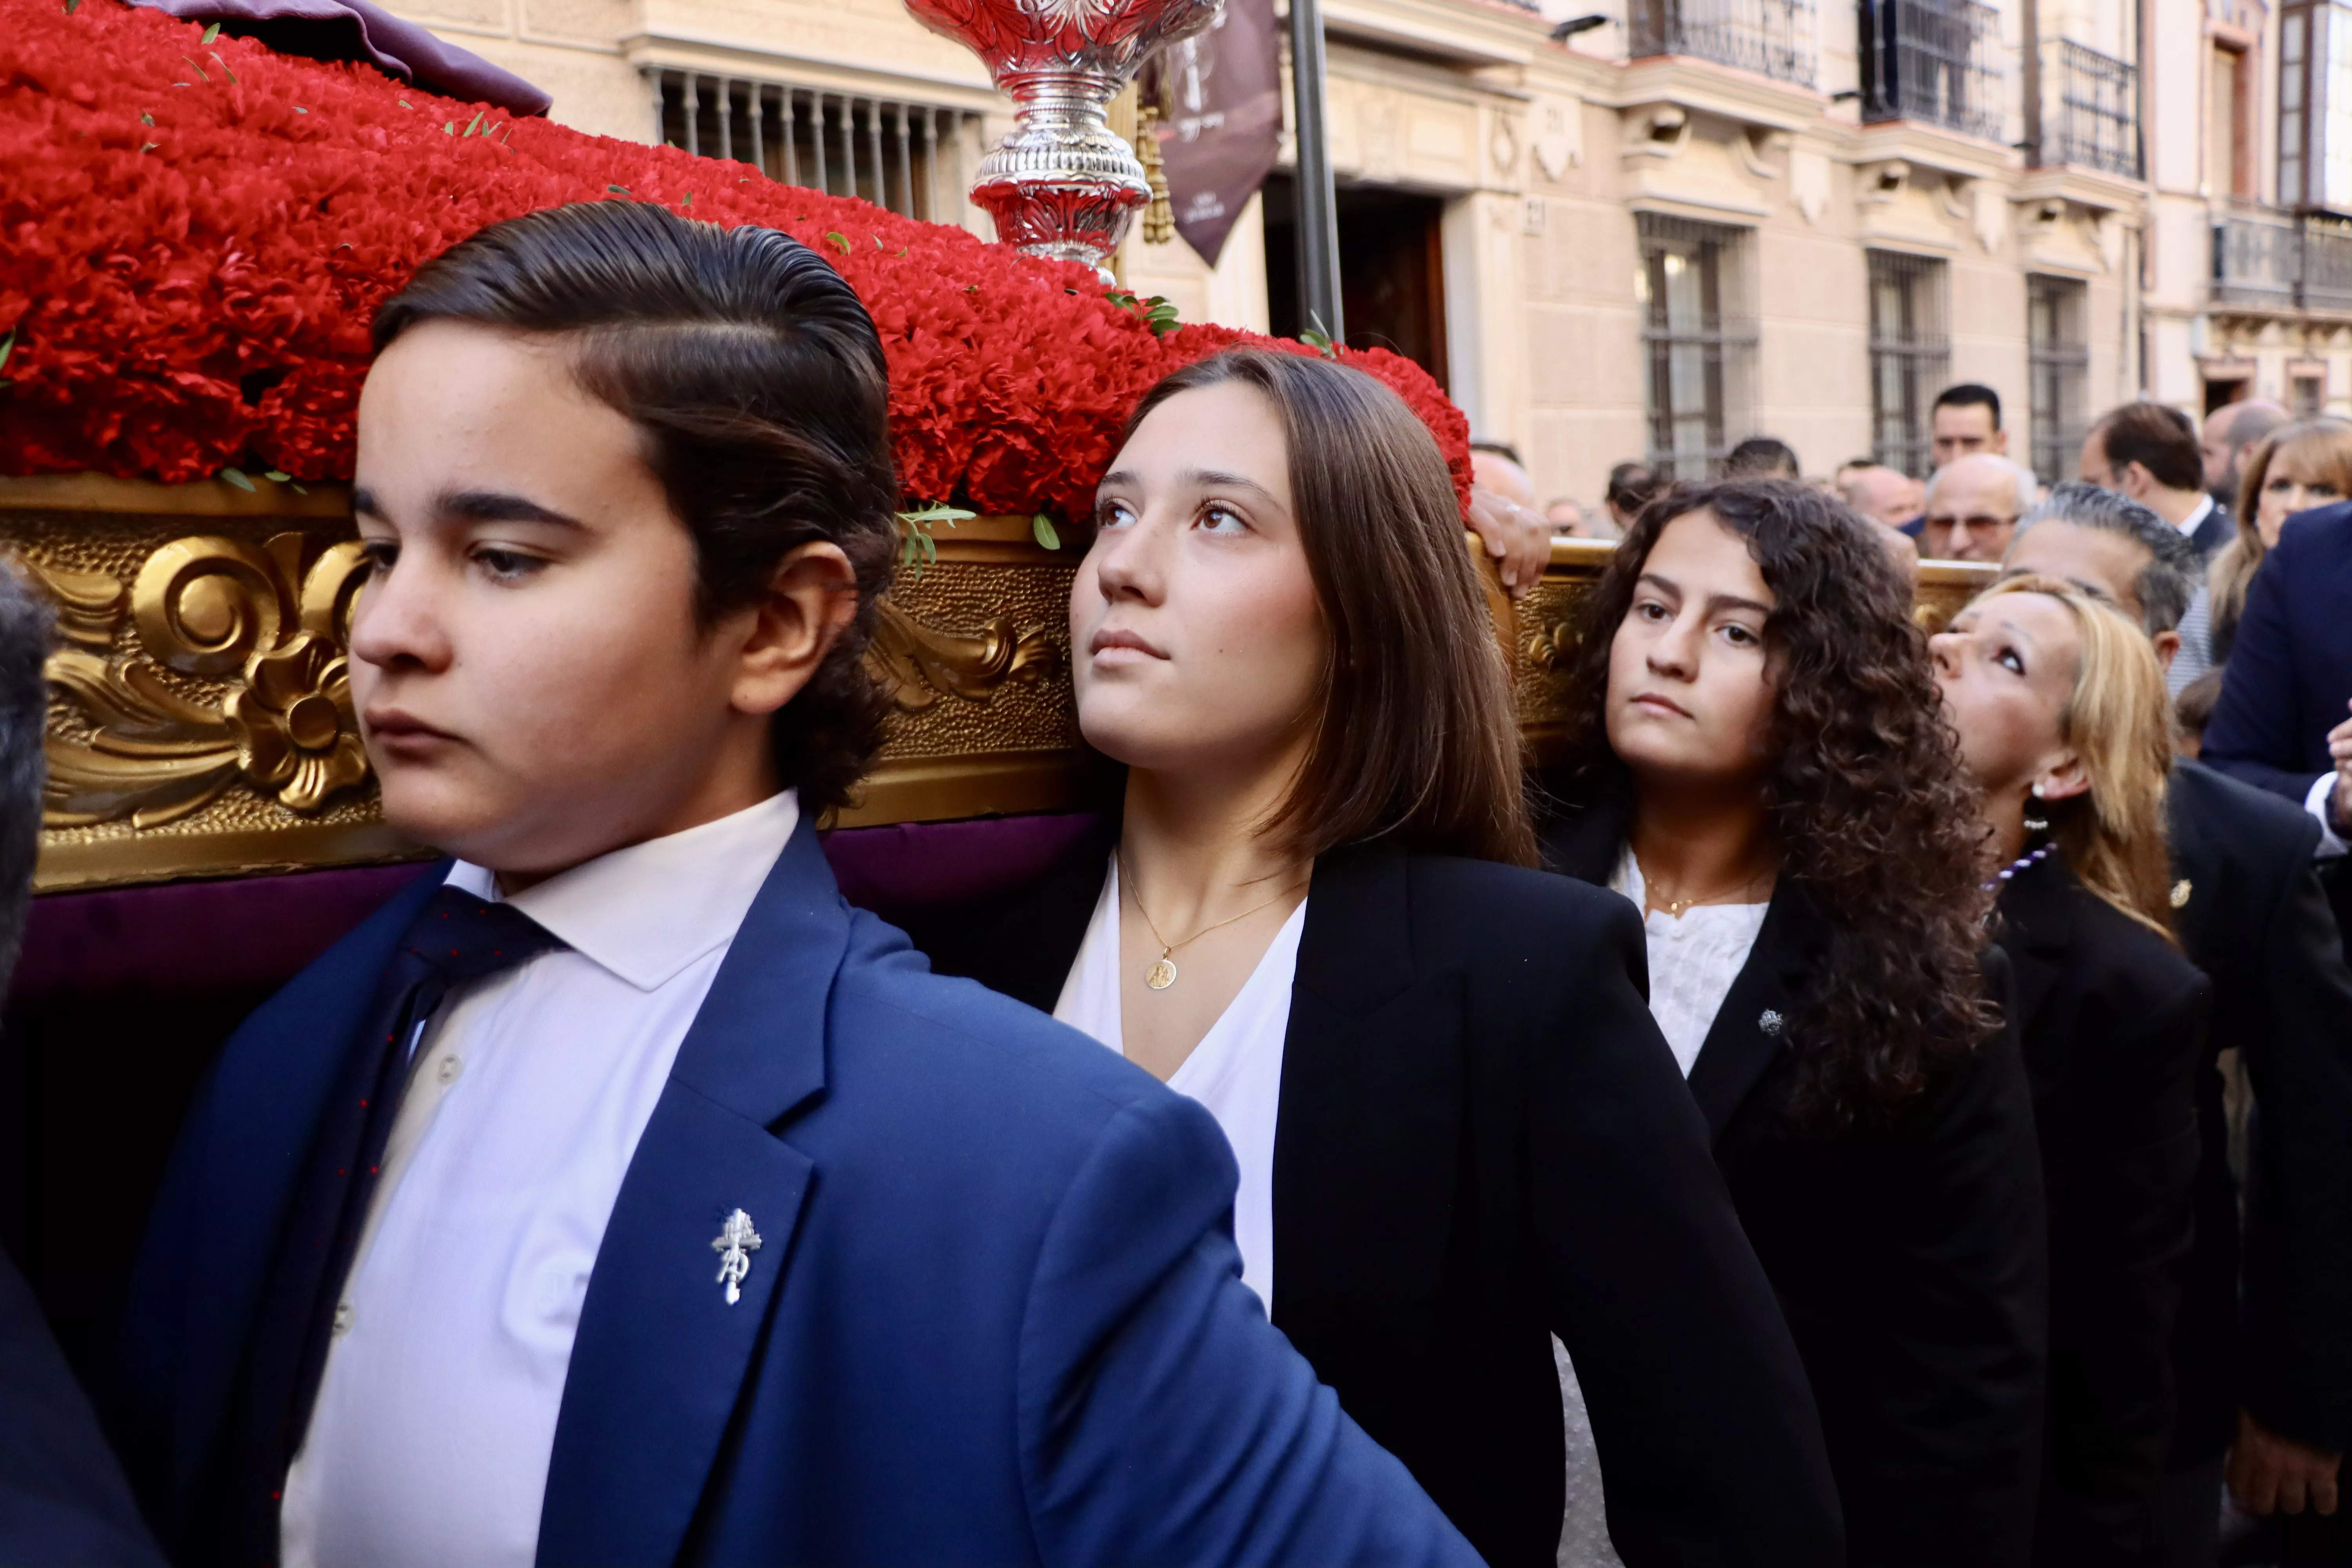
2061,711
1458,1133
1753,726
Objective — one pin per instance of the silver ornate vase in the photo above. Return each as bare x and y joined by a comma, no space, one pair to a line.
1062,184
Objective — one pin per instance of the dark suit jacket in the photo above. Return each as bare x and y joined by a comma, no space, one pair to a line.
2112,1021
2255,920
1910,1259
2215,531
1482,1142
998,1318
2290,671
62,1497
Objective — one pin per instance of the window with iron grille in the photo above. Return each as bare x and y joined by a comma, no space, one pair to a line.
2082,107
1770,37
1934,60
896,155
1697,341
1910,357
2058,360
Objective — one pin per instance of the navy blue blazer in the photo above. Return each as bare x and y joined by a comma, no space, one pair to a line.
998,1318
2290,671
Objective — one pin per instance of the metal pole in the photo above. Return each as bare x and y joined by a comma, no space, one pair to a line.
1318,218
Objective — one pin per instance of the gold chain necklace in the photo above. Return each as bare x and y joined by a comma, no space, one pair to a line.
1674,906
1163,972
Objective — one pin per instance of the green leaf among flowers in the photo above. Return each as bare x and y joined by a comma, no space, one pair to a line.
839,241
1041,528
210,34
236,477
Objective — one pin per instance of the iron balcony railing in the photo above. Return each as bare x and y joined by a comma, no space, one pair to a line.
896,155
2086,111
2267,260
1770,37
1933,60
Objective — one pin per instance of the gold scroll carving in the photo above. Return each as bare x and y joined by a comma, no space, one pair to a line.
201,718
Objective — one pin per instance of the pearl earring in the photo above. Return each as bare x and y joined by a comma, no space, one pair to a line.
2035,822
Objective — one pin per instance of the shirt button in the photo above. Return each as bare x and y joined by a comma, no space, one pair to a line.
449,1069
342,1323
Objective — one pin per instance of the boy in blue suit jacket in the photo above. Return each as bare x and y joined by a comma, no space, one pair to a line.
622,1195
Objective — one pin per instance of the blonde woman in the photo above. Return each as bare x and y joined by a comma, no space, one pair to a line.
2059,707
2300,465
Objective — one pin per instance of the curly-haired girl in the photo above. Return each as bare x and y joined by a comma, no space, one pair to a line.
1757,757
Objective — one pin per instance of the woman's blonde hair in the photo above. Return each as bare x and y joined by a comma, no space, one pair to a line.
2117,720
2323,446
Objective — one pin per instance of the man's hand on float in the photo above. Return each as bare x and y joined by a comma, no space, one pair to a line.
2269,1473
1517,538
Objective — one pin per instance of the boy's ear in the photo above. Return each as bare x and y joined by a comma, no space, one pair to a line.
811,599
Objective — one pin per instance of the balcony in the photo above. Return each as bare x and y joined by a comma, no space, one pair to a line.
2265,260
1770,37
1934,60
2084,110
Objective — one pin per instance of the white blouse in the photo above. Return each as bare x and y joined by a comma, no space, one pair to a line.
1692,961
1235,1072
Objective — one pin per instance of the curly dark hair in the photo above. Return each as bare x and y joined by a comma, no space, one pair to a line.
1871,813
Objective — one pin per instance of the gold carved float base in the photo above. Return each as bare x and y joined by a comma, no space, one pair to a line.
200,722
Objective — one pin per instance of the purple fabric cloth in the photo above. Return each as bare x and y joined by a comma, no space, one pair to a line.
362,30
253,934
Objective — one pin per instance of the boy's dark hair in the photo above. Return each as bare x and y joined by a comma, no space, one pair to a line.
1762,458
758,380
1969,394
2158,438
25,623
1631,486
2194,707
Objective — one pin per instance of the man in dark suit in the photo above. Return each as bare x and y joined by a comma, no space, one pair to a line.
2284,722
2268,1378
2150,452
621,1195
62,1497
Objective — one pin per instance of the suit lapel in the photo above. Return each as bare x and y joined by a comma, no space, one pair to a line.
273,1081
1368,1126
661,1353
1745,1037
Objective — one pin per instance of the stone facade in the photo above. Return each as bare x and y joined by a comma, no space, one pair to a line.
1631,252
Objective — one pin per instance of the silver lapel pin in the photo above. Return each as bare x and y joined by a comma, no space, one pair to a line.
1770,1022
735,1243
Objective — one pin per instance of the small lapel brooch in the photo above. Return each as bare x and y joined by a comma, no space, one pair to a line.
735,1243
1770,1022
2180,891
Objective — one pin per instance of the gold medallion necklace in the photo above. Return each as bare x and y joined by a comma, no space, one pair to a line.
1652,900
1163,972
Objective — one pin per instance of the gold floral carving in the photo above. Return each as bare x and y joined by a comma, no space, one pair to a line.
271,624
921,663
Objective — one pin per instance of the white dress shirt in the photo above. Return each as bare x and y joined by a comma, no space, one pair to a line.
1235,1072
2196,519
1692,961
2316,801
429,1442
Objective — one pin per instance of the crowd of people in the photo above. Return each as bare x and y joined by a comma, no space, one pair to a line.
1865,1098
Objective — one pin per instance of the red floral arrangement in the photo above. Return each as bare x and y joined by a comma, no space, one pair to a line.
195,232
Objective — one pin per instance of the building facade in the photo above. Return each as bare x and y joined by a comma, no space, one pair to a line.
2249,277
1648,233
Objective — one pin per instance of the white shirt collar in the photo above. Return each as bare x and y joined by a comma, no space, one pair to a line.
2204,509
646,911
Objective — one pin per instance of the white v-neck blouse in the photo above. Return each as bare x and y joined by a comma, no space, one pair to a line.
1692,961
1235,1072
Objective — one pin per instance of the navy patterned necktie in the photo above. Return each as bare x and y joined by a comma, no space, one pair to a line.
454,937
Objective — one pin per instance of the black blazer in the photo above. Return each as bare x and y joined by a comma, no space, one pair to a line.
2112,1021
1910,1259
2252,916
1482,1142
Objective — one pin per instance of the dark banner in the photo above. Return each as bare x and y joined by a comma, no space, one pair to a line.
1223,91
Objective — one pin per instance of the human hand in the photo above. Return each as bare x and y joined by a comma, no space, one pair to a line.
2339,751
1518,537
2269,1473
